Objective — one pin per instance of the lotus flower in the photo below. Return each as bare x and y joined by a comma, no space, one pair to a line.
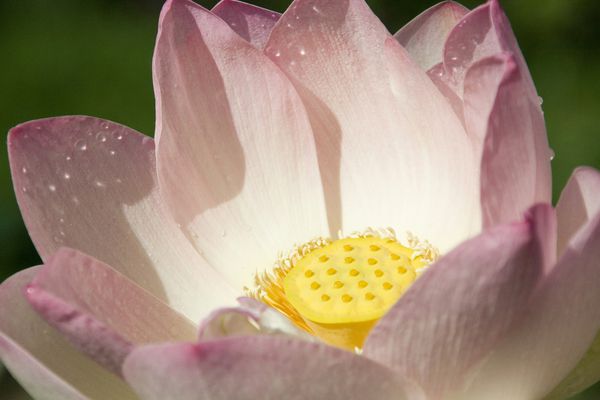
289,151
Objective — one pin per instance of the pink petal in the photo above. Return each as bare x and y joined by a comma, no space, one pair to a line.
561,322
392,152
99,310
483,32
461,307
40,359
250,22
237,163
505,124
90,184
471,40
425,35
578,203
259,367
499,115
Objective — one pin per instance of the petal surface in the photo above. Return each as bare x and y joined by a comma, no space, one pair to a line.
392,152
40,359
259,367
505,124
578,203
236,157
91,185
82,330
424,37
561,321
250,22
101,311
455,313
439,77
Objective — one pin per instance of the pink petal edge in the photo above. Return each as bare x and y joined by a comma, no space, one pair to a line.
260,367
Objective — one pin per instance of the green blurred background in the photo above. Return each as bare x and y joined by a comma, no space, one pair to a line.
93,57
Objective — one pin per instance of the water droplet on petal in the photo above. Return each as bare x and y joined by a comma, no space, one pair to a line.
101,136
100,184
551,154
67,176
52,188
541,100
24,169
81,145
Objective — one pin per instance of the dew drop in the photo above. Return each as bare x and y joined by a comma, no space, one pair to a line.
68,158
67,176
52,188
551,154
302,52
112,152
540,100
24,170
101,136
117,136
81,145
100,184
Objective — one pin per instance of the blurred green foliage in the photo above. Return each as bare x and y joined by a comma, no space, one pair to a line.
94,57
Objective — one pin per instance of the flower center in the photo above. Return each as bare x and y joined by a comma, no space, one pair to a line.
337,290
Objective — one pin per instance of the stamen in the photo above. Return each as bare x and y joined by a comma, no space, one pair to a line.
337,290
